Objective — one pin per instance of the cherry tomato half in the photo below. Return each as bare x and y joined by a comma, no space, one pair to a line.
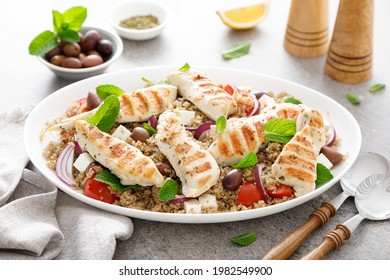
228,88
249,194
80,107
98,190
280,191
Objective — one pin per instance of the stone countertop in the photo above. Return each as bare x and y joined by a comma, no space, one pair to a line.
197,36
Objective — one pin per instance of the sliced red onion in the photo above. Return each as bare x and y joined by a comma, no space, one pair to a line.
153,122
191,128
64,165
78,148
258,94
179,199
332,134
204,127
258,169
256,105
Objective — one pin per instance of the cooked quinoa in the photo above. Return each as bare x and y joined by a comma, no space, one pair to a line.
147,198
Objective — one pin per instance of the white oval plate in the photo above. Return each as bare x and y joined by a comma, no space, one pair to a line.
55,105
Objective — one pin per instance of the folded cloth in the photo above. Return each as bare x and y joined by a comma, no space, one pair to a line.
39,222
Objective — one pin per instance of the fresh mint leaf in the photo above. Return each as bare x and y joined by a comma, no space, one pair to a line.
108,178
149,128
377,87
292,100
244,239
104,91
220,125
323,175
353,99
280,130
169,190
146,80
75,17
249,160
185,67
236,51
57,20
43,43
106,115
69,35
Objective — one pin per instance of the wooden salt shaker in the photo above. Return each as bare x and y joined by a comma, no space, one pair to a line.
350,53
307,29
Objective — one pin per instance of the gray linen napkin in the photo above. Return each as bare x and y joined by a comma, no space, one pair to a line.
39,222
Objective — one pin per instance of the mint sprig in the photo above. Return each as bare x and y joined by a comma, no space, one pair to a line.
244,239
220,125
323,175
236,51
292,100
104,91
249,160
106,115
353,99
149,128
146,80
185,67
66,27
377,87
169,190
280,130
110,179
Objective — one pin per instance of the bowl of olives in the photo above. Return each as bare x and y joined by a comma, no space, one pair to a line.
92,55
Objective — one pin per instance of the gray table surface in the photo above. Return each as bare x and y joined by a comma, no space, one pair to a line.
196,35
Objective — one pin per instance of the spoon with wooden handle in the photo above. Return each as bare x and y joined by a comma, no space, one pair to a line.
372,199
366,165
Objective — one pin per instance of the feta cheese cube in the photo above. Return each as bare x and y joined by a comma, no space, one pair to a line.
83,161
51,139
208,201
324,160
266,101
192,206
186,116
122,133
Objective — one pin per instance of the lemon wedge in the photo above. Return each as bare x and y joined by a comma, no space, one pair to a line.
244,17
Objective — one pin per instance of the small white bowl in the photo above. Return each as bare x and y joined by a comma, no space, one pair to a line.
128,9
82,73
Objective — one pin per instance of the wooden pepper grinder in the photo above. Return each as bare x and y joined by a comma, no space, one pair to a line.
349,57
307,29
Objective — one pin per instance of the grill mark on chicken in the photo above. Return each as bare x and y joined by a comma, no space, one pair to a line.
127,106
183,149
194,157
292,159
249,137
143,105
236,142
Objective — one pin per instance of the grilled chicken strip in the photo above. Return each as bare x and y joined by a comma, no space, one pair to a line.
205,94
296,164
136,106
128,163
244,135
196,168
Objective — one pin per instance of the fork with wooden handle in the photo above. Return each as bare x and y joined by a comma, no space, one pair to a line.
286,247
366,165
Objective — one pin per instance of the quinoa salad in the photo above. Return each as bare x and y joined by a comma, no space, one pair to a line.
189,144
